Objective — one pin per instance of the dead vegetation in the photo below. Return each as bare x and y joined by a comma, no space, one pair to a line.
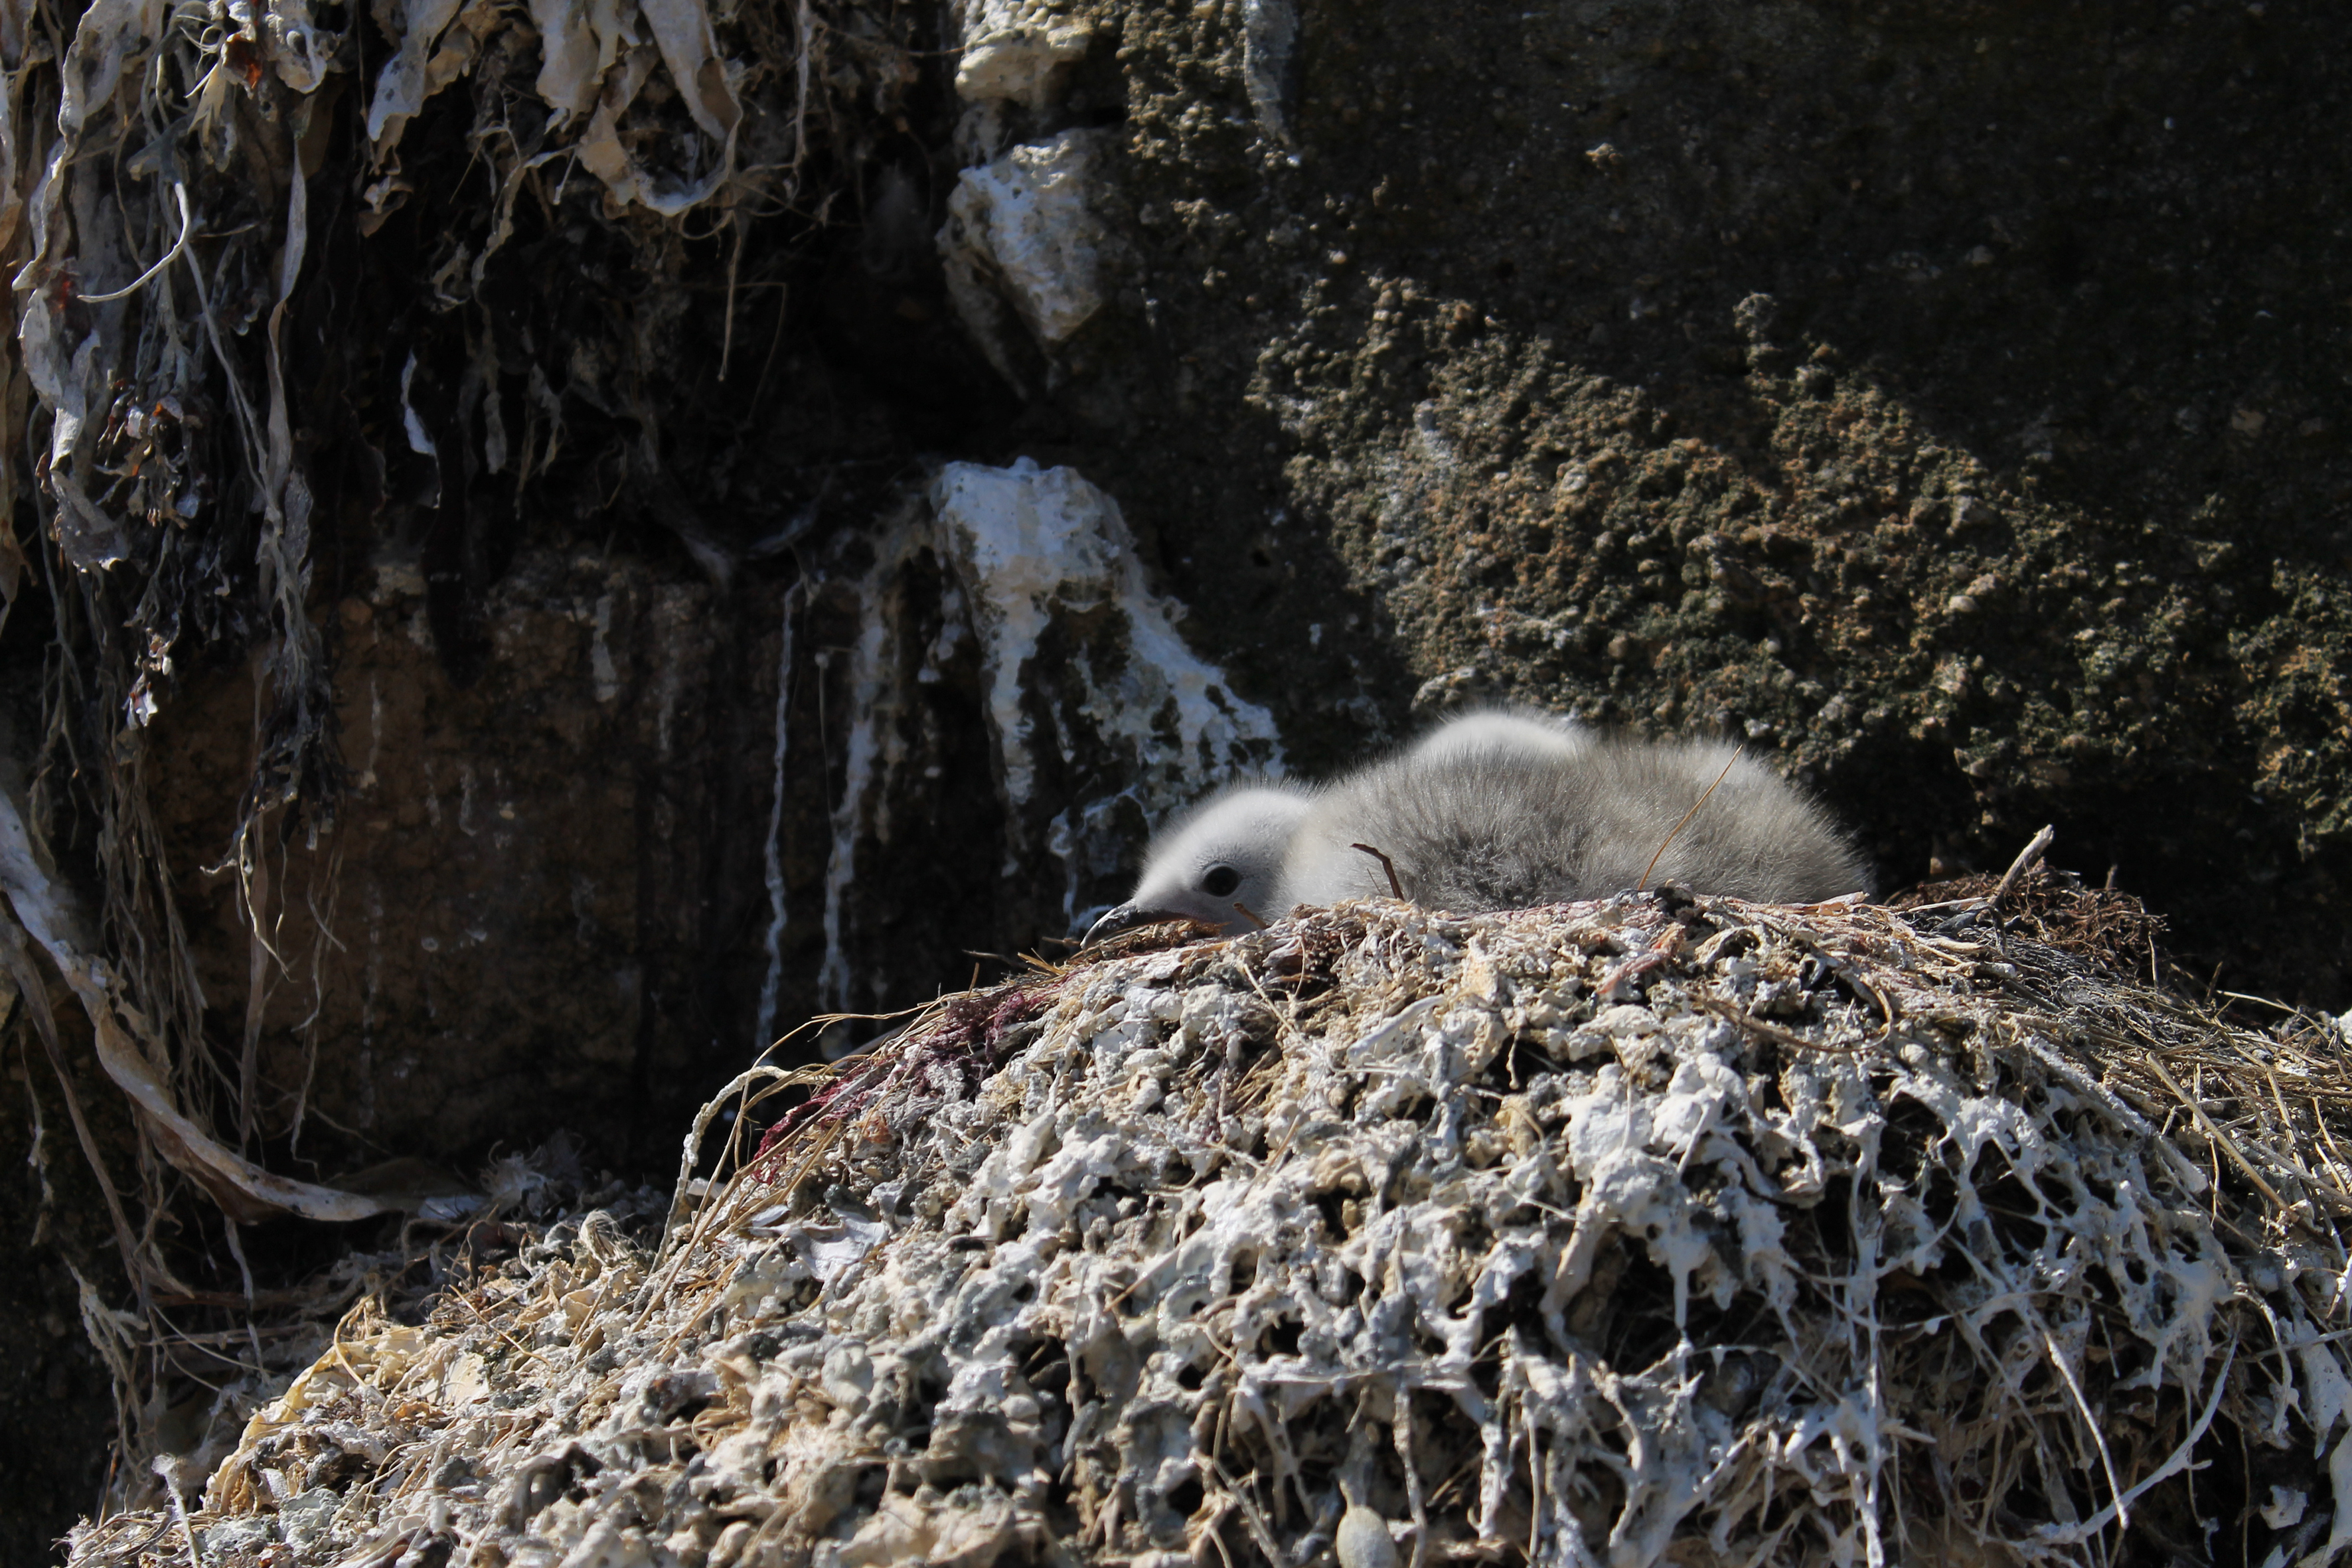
283,302
1651,1230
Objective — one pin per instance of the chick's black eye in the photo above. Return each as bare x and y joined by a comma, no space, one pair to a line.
1220,882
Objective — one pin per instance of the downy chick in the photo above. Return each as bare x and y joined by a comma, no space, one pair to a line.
1500,819
1525,730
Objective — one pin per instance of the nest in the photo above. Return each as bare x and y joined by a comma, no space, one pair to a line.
1651,1230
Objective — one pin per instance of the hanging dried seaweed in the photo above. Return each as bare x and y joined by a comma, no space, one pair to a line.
302,283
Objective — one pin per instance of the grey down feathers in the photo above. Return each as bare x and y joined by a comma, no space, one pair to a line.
1498,809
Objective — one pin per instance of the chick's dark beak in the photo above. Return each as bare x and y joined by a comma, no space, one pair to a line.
1124,917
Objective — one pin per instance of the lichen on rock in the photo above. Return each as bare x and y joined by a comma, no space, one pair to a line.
1649,1230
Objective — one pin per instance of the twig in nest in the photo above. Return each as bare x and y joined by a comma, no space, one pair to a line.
161,1464
2025,860
1774,1031
1260,920
1028,961
2212,1129
2180,1461
1260,1532
1686,815
1396,889
1844,968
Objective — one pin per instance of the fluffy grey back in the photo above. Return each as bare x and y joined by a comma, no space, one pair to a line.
1503,826
1528,729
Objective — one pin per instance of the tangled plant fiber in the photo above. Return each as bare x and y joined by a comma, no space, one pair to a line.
279,266
1655,1230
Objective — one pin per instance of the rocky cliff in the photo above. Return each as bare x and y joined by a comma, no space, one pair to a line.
545,546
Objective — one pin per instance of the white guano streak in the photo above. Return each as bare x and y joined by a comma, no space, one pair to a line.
1032,545
772,861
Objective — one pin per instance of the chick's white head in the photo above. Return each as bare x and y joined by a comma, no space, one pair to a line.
1227,851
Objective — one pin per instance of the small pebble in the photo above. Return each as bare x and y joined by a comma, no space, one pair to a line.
1363,1540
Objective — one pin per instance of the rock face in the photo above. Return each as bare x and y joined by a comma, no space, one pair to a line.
1639,1232
1910,398
535,881
468,706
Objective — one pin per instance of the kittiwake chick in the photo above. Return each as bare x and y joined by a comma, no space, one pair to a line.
1488,821
1226,851
1230,849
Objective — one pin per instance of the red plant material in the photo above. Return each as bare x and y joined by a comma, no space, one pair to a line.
951,1058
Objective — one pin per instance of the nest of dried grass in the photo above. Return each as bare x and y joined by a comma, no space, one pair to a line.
1645,1231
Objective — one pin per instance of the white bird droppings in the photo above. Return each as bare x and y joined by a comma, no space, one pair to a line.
1031,547
1021,229
1325,1240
